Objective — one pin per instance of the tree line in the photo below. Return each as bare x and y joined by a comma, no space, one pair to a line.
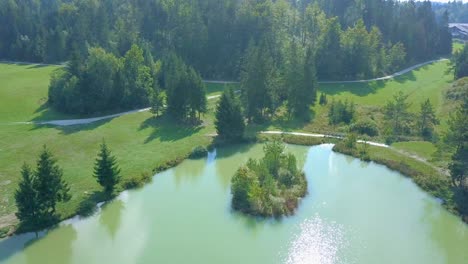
345,39
102,82
42,188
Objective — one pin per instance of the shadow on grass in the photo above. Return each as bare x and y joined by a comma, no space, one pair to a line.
37,66
165,128
68,130
365,88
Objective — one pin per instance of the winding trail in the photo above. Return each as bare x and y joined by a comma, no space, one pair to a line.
376,144
84,121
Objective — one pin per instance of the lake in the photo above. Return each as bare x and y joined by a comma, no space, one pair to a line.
355,212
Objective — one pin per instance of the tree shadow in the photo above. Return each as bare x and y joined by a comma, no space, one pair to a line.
166,129
72,129
359,89
37,66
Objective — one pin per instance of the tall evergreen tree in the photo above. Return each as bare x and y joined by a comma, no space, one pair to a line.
397,115
427,120
49,183
229,118
457,137
26,200
106,170
39,192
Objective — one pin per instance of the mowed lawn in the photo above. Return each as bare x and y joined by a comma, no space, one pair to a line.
139,141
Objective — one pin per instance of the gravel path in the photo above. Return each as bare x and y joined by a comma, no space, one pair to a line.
83,121
320,136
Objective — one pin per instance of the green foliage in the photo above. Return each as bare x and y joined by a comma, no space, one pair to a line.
365,127
460,62
397,115
271,186
341,112
87,208
136,182
39,192
157,103
427,120
102,82
106,170
458,90
198,152
457,136
186,93
229,121
323,99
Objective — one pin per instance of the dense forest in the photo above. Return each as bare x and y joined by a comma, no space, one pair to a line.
457,10
344,39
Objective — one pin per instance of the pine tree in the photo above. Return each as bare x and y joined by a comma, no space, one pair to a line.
49,184
106,170
26,199
229,118
427,120
157,103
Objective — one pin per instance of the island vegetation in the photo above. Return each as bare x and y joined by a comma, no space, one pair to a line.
271,186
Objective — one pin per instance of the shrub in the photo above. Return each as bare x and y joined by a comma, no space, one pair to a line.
365,127
87,208
137,182
198,152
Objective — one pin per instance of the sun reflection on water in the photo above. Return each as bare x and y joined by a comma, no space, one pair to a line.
318,242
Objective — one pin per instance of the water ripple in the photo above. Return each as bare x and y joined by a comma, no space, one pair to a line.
319,242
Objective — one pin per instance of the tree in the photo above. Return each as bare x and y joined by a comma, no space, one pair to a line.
397,115
229,121
49,183
457,136
106,170
427,120
460,63
39,191
157,103
26,200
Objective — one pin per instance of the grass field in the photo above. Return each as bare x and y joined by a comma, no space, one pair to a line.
422,149
428,82
139,141
142,143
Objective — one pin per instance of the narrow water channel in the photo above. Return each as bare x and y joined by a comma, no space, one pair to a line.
355,212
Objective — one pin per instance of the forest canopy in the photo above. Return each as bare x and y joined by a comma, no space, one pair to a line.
347,39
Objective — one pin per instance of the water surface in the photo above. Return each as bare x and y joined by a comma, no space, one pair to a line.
355,212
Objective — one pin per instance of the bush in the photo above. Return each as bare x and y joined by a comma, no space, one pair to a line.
4,231
198,152
365,127
87,208
137,182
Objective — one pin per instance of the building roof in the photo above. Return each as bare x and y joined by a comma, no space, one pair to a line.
461,27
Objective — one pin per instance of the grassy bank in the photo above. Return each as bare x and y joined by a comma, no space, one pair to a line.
140,142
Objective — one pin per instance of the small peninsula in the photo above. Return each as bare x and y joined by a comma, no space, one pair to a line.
271,186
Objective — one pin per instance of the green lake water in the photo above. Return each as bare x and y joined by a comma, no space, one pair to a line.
355,212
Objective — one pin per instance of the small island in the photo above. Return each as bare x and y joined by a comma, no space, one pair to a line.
271,186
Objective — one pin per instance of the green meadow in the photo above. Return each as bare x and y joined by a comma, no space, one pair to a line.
142,142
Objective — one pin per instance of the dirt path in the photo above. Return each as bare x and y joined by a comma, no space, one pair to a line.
83,121
320,136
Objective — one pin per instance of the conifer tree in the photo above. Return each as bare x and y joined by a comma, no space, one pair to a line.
39,191
49,184
26,199
106,170
229,118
